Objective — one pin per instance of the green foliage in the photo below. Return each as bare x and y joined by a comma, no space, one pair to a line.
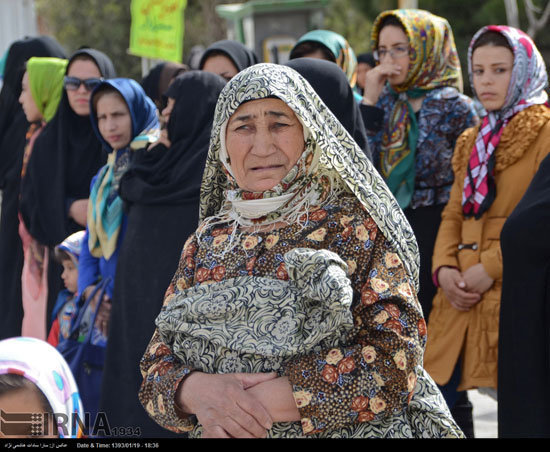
343,17
465,17
101,24
105,25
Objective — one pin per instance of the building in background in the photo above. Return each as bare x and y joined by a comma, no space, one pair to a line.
17,20
271,28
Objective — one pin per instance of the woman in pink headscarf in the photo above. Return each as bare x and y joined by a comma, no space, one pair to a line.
493,165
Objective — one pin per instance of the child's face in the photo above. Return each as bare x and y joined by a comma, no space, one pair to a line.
70,275
24,400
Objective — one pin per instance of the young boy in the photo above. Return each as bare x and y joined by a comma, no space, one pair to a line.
67,254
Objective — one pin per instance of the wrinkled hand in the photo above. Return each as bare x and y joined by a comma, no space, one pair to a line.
477,280
376,79
222,405
456,289
79,211
277,398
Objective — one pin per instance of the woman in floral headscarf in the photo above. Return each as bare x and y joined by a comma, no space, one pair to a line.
293,310
493,164
414,113
34,376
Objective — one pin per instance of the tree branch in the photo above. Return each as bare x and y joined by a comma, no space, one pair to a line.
536,24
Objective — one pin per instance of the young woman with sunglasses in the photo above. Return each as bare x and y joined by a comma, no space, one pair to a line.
68,154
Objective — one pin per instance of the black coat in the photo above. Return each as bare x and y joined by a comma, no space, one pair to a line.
332,86
524,336
13,129
66,155
161,190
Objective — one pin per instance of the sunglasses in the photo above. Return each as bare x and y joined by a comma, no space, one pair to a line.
73,83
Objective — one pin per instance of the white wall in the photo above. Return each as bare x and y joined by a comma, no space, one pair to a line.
17,19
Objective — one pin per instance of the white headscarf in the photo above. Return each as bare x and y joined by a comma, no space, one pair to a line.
44,366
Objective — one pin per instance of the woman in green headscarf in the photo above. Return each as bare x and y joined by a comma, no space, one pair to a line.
42,87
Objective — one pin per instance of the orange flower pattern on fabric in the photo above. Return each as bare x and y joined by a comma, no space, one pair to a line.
341,389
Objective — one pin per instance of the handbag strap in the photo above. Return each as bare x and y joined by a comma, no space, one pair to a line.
100,289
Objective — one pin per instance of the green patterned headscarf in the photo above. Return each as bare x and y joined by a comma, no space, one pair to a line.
46,83
334,150
434,64
339,47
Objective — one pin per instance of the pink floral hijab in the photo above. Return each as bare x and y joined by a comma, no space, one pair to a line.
527,88
43,365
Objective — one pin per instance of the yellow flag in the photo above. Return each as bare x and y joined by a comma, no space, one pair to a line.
157,29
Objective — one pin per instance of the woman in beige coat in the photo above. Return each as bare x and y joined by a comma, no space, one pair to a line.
493,165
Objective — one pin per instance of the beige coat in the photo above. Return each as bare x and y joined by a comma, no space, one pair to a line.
473,335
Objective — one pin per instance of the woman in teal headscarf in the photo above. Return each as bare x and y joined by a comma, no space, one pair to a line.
3,65
41,92
328,45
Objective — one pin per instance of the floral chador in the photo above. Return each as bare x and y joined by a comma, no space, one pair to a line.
314,279
283,301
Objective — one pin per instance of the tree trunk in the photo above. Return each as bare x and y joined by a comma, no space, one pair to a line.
512,13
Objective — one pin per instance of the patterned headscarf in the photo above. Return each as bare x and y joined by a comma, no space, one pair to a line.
44,366
105,212
46,83
339,47
434,64
331,161
527,88
72,245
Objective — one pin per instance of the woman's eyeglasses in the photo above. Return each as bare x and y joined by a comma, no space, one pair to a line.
73,83
395,52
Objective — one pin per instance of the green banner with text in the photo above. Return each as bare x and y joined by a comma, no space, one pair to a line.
157,29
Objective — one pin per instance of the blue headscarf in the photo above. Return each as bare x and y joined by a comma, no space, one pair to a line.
145,124
105,212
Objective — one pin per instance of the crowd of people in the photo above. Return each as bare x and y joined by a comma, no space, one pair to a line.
337,246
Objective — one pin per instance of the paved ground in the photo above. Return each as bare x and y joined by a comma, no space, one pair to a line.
485,415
